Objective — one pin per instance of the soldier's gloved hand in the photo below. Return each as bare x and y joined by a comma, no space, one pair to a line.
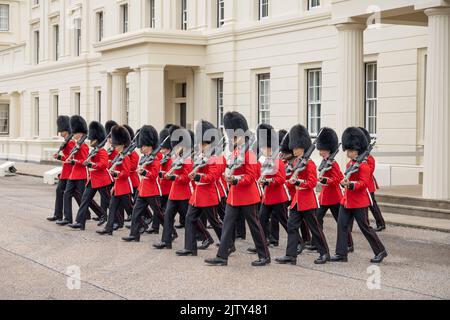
197,177
171,177
297,183
351,186
89,164
323,180
115,174
160,174
234,181
72,162
143,172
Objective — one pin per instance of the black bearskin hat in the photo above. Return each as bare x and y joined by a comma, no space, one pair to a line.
367,134
78,125
299,138
235,121
108,126
130,131
327,140
96,132
120,136
354,139
148,137
284,144
281,134
266,136
63,124
163,135
206,132
181,137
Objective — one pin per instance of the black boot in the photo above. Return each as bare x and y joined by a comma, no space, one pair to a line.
152,231
53,219
261,262
217,261
63,222
322,259
252,250
379,257
379,228
102,221
286,260
77,226
205,244
131,239
104,232
338,258
162,245
185,253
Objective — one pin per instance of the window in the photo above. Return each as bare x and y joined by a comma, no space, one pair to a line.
263,9
220,13
56,41
35,2
371,97
4,17
313,4
54,112
77,102
4,119
56,105
184,15
77,37
36,46
98,104
264,98
152,14
127,107
36,117
314,100
99,26
124,18
219,102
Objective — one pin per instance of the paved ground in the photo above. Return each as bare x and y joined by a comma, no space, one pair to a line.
35,255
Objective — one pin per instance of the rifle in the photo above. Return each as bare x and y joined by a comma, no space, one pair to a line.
127,151
96,149
301,164
76,148
64,144
238,161
203,160
359,160
148,159
178,163
327,164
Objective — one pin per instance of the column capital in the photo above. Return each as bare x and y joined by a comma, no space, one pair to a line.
440,11
351,26
15,93
152,67
119,73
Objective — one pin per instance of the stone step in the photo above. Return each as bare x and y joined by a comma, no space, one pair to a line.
414,210
413,201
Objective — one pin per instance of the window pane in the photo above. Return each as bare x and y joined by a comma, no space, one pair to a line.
4,17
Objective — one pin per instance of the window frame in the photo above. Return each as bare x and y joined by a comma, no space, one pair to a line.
124,18
37,46
100,20
261,5
184,15
372,101
314,101
7,17
220,10
152,14
220,110
310,5
6,118
263,80
77,37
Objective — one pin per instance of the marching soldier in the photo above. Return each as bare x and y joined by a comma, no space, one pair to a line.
376,212
134,164
243,197
149,192
63,125
222,184
330,178
77,179
356,198
122,189
99,178
181,190
205,199
305,203
165,164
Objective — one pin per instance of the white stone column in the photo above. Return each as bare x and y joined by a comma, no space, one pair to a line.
106,107
119,96
14,115
201,107
152,102
437,108
350,108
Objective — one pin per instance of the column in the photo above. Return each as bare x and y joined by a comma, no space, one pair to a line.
350,110
119,96
437,108
152,102
14,115
201,107
106,107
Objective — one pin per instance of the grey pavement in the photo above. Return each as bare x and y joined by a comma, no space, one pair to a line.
35,256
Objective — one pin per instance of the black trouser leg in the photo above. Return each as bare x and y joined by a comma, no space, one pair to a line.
256,230
113,209
73,187
138,212
335,212
155,205
376,212
265,212
193,226
228,230
157,222
88,195
104,201
169,219
240,227
126,203
221,208
275,227
213,218
280,213
306,235
293,224
59,199
318,236
362,218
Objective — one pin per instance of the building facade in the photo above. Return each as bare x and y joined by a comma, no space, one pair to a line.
382,64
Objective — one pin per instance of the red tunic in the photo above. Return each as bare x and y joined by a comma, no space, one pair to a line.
98,175
206,193
149,186
79,172
372,185
305,196
221,183
359,197
122,184
290,187
134,163
276,192
246,191
181,188
111,157
331,193
165,184
66,167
